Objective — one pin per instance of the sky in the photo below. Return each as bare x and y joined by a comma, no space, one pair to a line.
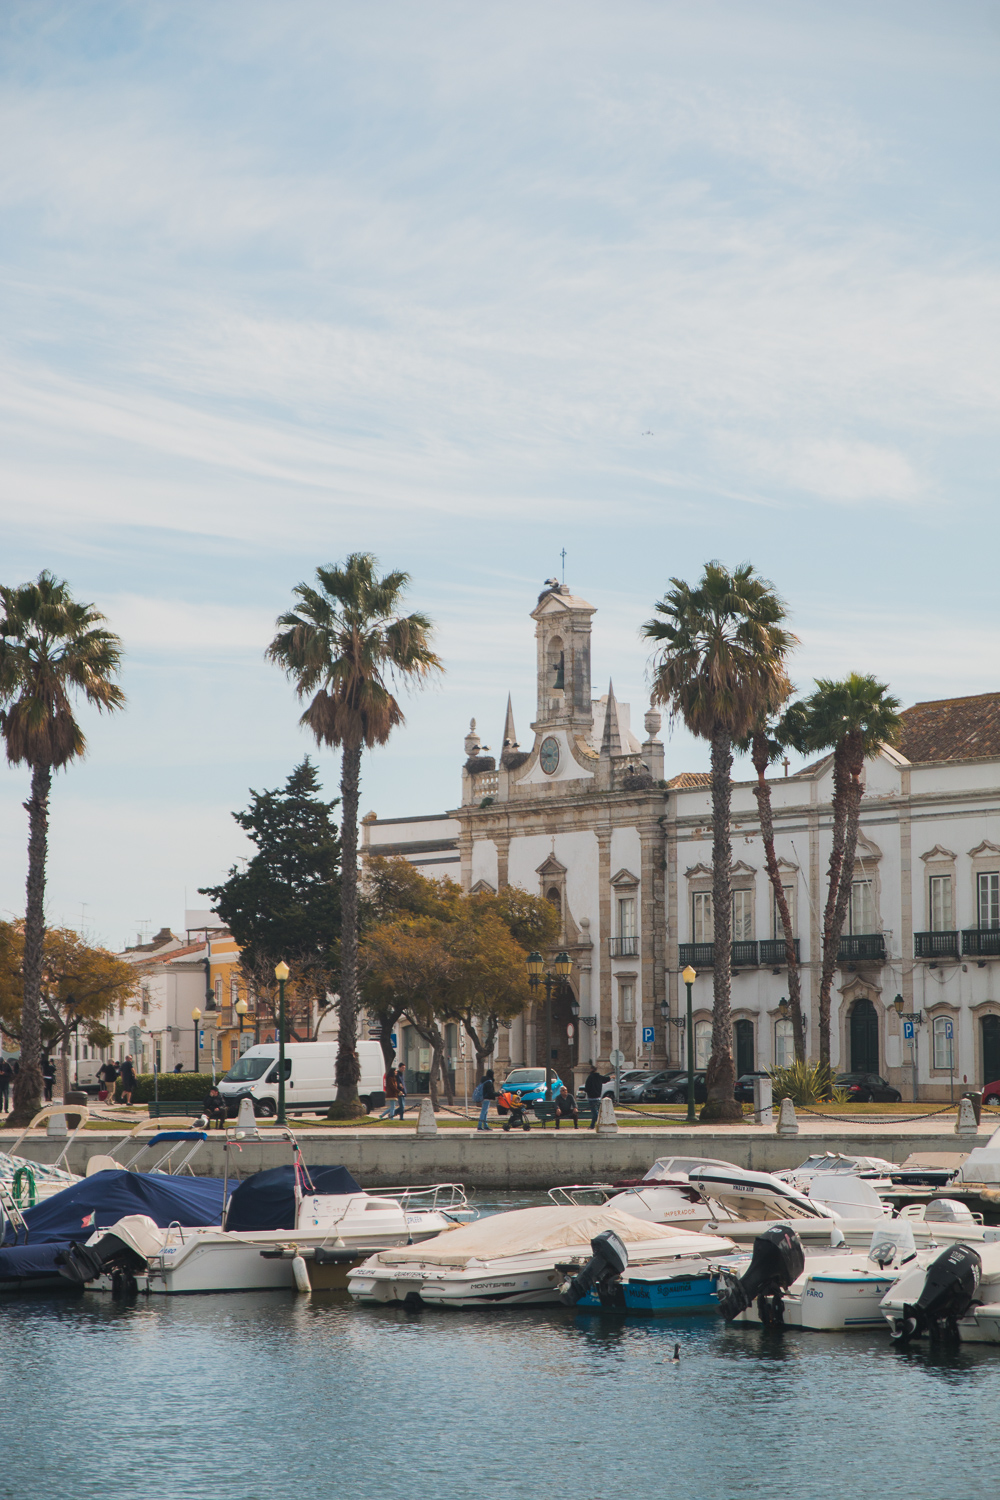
465,285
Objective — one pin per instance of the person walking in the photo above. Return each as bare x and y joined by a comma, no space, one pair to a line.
6,1079
390,1087
128,1080
48,1077
108,1075
401,1088
593,1088
486,1098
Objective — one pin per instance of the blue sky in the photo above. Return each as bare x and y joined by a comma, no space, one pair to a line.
465,284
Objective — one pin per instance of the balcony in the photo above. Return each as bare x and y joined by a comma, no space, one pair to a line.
935,945
861,948
702,955
981,942
772,951
623,947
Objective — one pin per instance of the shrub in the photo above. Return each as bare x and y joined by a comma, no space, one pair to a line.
806,1083
171,1086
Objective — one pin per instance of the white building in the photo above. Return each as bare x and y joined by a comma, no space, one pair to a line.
585,818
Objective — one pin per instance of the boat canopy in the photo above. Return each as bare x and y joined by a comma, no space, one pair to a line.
99,1201
267,1199
532,1231
983,1163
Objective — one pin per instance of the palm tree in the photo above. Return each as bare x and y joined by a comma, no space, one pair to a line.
855,718
721,666
765,745
346,643
50,648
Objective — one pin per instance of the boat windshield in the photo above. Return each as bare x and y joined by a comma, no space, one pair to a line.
247,1069
760,1207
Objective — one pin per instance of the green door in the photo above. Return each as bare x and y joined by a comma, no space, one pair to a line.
990,1032
864,1037
743,1034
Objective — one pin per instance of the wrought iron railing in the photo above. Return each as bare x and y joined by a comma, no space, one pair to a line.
981,942
702,955
772,950
861,947
936,944
623,947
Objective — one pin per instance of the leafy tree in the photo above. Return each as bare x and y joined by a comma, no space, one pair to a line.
285,904
346,644
854,717
721,664
489,978
51,649
408,958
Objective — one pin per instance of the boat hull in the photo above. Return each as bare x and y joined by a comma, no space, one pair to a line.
660,1296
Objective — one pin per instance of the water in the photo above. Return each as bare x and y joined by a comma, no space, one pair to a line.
270,1396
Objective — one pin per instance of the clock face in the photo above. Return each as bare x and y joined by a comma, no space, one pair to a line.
549,755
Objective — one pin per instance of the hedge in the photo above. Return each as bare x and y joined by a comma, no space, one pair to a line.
171,1086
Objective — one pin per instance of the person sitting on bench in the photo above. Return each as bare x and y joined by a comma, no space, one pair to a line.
214,1106
566,1108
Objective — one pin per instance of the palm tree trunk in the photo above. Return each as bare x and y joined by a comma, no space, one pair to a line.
721,1075
28,1083
348,1069
763,794
831,932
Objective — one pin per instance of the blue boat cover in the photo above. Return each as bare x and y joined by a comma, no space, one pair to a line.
267,1200
30,1262
99,1201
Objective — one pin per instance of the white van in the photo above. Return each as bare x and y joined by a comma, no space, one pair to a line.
309,1077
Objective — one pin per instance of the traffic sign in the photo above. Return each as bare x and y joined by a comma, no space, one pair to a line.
570,1031
616,1058
647,1036
908,1031
392,1038
949,1030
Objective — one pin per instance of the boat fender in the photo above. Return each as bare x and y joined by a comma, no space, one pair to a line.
608,1260
950,1286
301,1273
778,1258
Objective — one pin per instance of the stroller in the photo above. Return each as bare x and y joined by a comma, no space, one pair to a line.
514,1107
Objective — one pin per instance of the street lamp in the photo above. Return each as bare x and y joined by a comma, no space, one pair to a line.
537,973
196,1017
916,1018
689,976
241,1008
281,973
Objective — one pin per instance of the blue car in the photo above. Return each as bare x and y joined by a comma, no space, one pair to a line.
530,1084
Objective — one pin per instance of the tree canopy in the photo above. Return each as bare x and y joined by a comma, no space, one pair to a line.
80,984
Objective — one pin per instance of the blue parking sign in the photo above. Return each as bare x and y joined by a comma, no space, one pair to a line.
949,1030
908,1031
647,1036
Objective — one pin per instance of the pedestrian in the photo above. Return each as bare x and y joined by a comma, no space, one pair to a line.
566,1108
390,1087
516,1110
48,1078
128,1079
401,1086
6,1079
178,1067
487,1093
214,1106
593,1088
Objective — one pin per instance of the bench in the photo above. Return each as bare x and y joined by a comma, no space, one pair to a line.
188,1107
543,1111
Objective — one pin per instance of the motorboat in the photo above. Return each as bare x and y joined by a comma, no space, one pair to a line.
287,1228
837,1290
523,1257
956,1296
874,1170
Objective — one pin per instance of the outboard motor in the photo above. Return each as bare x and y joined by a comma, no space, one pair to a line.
608,1260
778,1259
109,1257
950,1287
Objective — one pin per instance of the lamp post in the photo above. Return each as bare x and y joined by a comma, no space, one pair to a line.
241,1008
916,1018
574,1006
281,972
537,973
196,1017
689,976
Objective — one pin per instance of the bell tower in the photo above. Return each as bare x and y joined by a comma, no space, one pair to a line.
562,633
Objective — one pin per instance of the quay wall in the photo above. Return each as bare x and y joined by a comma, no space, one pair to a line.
513,1162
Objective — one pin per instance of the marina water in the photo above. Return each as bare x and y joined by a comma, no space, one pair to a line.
269,1396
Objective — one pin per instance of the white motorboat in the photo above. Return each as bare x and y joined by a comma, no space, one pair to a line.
839,1290
874,1170
955,1295
520,1258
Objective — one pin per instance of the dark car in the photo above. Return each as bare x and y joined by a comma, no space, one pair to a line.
675,1091
635,1090
744,1086
867,1088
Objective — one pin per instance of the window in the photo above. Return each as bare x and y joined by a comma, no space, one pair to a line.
218,991
626,1003
989,899
234,991
702,1043
942,1044
862,911
784,1044
941,908
742,916
789,894
702,930
626,917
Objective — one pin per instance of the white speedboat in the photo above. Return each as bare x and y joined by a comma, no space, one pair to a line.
521,1258
955,1295
874,1170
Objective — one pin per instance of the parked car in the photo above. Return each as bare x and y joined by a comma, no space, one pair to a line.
744,1085
530,1084
675,1091
991,1093
609,1083
652,1092
635,1090
867,1088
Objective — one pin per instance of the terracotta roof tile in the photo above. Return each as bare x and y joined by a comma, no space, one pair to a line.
952,729
689,779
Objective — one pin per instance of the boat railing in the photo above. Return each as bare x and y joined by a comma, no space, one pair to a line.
445,1197
50,1112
